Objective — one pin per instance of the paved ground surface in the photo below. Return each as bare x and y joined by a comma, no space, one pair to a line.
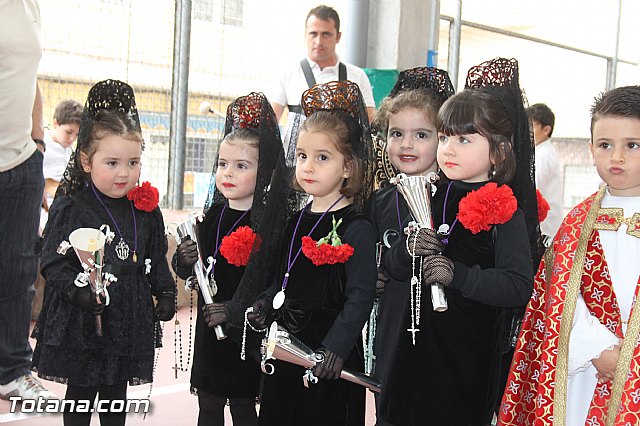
171,402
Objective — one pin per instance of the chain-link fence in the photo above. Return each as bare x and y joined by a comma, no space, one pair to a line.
564,77
239,46
234,50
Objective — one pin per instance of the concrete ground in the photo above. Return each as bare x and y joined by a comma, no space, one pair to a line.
171,402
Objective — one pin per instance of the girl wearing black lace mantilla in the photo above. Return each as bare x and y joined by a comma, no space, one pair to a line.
325,281
98,345
245,213
486,229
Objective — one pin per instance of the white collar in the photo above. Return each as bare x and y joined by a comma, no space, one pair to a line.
314,65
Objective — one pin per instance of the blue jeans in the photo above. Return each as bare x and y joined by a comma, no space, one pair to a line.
21,190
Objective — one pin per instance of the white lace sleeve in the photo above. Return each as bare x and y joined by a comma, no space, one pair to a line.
588,339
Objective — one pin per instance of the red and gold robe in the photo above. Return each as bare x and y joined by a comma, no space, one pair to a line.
536,392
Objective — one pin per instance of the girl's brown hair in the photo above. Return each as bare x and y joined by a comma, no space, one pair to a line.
344,132
420,100
111,122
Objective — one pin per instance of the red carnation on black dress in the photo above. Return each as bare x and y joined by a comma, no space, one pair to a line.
145,197
486,206
323,253
238,246
543,206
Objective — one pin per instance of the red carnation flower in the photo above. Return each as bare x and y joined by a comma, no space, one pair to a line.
543,206
486,206
325,254
238,246
329,250
145,197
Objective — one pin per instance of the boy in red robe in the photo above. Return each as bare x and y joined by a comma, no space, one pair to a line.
578,358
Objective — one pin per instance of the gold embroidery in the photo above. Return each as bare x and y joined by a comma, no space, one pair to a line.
633,225
566,323
622,369
611,218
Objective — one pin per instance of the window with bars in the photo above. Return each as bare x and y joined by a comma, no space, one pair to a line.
202,10
227,12
232,12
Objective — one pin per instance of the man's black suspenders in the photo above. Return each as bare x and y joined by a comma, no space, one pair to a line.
311,80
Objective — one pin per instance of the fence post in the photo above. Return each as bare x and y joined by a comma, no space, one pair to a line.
179,101
455,29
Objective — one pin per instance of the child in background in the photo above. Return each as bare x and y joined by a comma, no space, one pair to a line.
66,123
481,255
97,189
548,168
322,297
583,303
248,193
407,117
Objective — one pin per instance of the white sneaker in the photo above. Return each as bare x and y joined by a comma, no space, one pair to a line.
26,387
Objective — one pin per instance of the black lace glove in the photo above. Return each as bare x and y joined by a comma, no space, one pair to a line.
437,268
330,368
85,299
215,314
426,242
165,307
381,282
187,253
262,310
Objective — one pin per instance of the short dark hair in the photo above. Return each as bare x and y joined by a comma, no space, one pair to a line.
344,131
478,111
325,13
543,115
68,112
619,102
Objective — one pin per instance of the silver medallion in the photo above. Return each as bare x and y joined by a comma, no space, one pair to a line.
443,229
213,285
122,250
278,299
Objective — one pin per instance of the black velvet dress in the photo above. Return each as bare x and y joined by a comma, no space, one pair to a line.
450,377
325,306
217,368
389,213
68,349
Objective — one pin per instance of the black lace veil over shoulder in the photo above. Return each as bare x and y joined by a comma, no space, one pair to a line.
274,201
500,78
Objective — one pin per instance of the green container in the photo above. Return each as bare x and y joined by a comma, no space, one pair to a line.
382,81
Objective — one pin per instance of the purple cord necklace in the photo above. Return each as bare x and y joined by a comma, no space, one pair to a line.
278,299
122,248
398,211
444,230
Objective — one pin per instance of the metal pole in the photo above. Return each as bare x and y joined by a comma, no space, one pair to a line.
179,101
356,25
434,32
612,64
455,29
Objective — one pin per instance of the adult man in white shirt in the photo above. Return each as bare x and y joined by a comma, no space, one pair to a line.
548,170
21,186
322,33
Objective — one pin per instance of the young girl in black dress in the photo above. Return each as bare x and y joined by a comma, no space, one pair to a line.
407,117
485,213
100,188
323,293
247,199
